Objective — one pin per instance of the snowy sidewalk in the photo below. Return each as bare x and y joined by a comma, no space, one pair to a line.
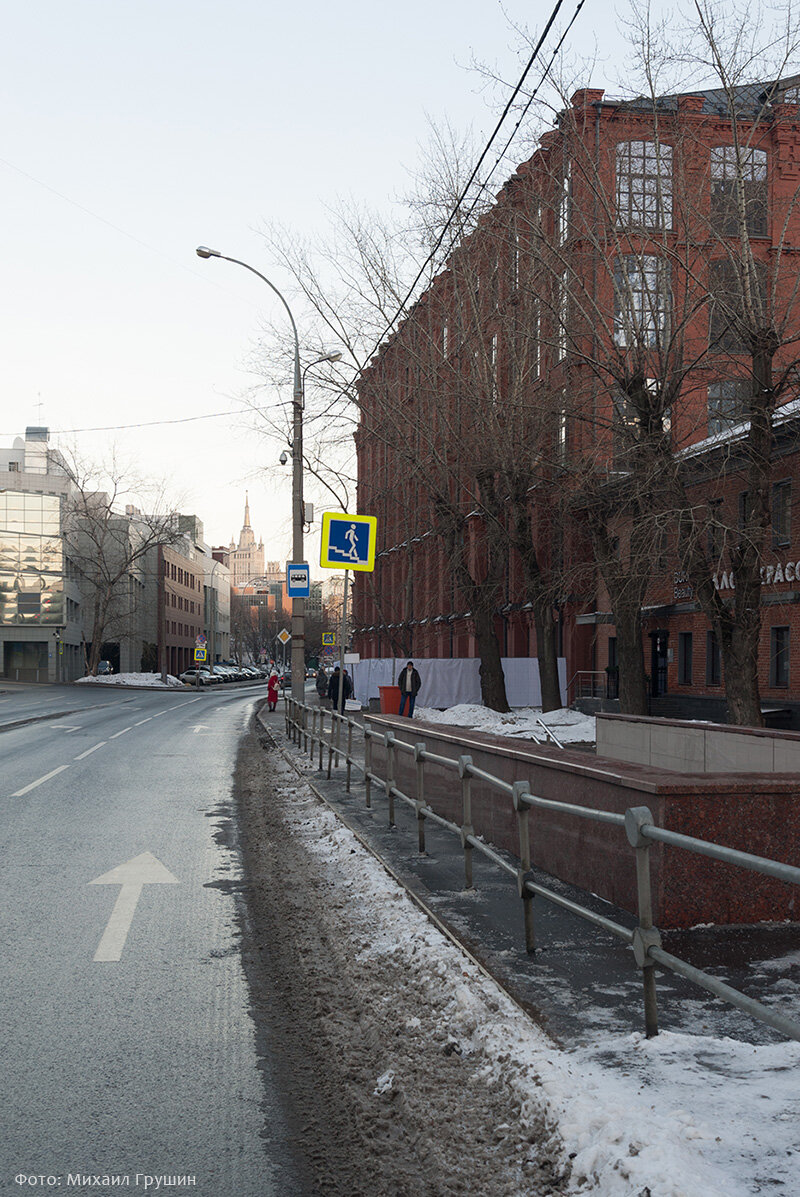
708,1108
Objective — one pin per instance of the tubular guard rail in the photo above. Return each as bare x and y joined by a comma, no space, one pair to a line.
306,725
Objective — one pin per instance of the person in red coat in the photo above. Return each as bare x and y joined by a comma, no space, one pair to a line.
272,690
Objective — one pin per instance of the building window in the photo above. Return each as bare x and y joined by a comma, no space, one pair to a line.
561,433
445,339
515,256
779,657
745,509
734,182
562,209
493,368
644,185
713,662
727,404
737,301
13,467
782,514
641,291
561,331
684,658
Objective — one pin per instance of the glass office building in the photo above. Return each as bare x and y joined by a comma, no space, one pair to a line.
32,600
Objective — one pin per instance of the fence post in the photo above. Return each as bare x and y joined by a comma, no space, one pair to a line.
349,752
519,789
419,757
313,732
367,765
388,740
464,763
304,709
330,743
645,935
321,736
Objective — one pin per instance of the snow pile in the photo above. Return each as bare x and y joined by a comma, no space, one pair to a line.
675,1116
571,727
131,679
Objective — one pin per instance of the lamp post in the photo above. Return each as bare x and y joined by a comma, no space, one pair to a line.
298,604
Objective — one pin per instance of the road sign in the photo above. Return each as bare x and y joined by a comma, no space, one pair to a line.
284,636
200,640
200,654
348,541
328,637
298,579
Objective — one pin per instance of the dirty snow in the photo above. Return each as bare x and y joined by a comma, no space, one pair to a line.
676,1116
571,727
130,679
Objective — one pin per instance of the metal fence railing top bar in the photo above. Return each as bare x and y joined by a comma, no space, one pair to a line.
307,727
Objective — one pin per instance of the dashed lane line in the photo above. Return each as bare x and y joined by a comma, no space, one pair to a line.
89,751
39,781
141,721
120,733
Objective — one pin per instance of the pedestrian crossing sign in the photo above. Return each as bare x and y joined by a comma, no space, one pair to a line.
348,541
328,638
200,654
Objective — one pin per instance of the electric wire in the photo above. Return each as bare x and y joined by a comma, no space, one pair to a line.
460,200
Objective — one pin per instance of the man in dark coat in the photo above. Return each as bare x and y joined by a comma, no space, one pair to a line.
333,688
409,683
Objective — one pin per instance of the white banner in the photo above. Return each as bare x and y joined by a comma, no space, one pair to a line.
448,683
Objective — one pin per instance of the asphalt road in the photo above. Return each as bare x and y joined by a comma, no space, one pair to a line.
127,1042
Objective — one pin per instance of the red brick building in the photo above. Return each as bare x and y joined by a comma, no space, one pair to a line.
608,301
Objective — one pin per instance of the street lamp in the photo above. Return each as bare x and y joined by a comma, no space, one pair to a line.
298,604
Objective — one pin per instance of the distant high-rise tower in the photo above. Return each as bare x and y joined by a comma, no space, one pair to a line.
246,560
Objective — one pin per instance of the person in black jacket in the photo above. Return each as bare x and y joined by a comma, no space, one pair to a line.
409,683
333,688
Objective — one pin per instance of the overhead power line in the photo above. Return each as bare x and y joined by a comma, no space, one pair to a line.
460,200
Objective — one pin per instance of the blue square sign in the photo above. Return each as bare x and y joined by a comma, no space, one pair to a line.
348,541
298,579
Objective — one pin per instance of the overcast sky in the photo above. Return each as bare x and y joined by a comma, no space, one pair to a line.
132,132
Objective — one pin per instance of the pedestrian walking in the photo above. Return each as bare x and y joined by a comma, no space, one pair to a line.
339,681
409,683
322,684
272,690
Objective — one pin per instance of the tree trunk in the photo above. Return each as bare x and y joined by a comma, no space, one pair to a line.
493,682
547,656
633,696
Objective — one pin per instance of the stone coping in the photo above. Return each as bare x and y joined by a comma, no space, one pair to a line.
701,725
643,778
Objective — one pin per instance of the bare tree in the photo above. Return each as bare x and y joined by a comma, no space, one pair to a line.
109,540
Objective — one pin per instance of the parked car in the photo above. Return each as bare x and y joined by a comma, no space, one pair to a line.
189,677
104,667
286,679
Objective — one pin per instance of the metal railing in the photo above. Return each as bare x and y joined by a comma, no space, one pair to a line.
587,683
306,726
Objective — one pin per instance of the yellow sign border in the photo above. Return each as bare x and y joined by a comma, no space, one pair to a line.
372,523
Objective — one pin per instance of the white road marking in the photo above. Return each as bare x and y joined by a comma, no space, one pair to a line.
67,727
200,727
132,877
39,781
89,751
141,721
120,733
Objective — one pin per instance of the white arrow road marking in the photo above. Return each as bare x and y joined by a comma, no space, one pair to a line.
133,876
200,727
39,781
67,726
